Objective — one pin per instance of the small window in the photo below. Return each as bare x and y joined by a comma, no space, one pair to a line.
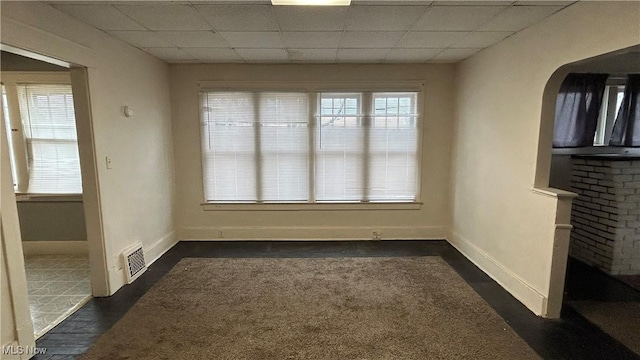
44,155
611,102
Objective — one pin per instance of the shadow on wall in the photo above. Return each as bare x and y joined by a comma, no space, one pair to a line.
52,221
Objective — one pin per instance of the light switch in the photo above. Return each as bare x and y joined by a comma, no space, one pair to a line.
107,160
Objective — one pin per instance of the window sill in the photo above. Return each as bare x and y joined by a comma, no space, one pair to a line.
49,197
311,206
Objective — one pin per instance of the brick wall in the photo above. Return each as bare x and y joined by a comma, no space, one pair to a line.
606,214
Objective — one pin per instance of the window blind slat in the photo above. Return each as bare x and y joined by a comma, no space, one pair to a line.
50,129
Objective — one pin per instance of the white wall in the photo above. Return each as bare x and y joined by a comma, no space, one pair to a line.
498,221
428,222
136,196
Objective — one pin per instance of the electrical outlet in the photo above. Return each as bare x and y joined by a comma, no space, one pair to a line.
108,162
377,235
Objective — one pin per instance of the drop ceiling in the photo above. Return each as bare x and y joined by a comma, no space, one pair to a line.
367,31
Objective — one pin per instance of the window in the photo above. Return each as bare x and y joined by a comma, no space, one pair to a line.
611,101
255,146
7,122
310,147
45,157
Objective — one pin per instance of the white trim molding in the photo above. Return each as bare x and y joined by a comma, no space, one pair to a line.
292,233
511,282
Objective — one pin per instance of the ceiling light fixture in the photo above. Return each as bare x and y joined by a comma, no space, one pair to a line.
312,2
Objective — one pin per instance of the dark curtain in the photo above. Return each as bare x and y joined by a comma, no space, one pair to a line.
626,129
577,109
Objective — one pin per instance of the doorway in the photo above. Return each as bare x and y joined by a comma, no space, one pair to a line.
46,114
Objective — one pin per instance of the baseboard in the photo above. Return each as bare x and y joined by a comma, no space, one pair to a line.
311,233
157,249
519,288
151,253
79,247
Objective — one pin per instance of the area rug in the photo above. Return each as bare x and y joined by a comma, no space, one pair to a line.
621,320
327,308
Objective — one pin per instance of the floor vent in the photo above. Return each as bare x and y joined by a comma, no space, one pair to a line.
134,263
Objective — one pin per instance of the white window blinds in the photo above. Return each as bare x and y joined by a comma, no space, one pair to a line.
340,148
393,146
50,132
269,147
284,146
255,146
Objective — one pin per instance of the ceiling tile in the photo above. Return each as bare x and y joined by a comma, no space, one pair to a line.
430,39
480,39
448,18
362,55
147,39
239,17
263,54
104,17
412,55
213,54
313,55
166,17
454,55
371,39
311,18
383,18
252,39
517,18
312,39
169,54
193,38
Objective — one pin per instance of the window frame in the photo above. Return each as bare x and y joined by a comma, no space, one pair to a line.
314,89
608,113
11,80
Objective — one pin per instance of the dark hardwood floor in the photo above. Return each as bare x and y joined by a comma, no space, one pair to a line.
571,337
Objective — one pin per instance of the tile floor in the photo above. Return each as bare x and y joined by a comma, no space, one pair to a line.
58,285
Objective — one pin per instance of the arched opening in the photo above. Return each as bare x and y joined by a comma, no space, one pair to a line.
596,215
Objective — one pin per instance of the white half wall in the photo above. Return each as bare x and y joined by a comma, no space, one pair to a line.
498,221
136,195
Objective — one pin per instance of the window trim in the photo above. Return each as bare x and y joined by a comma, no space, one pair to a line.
608,110
11,80
313,88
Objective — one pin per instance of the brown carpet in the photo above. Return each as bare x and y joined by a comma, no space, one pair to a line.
621,320
329,308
